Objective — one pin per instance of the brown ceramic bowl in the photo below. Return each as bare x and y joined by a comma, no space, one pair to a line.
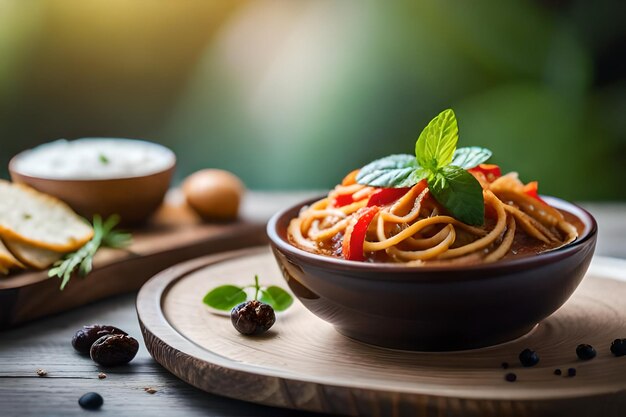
133,198
434,308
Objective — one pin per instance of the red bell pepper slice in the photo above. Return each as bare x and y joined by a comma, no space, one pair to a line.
490,171
343,200
385,196
354,238
346,199
491,212
531,189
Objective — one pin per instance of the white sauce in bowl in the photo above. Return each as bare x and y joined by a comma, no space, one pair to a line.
94,158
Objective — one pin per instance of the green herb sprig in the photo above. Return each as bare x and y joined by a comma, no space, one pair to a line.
82,260
225,297
441,164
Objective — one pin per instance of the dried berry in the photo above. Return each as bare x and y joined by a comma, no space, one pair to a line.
528,358
618,347
84,338
510,377
91,401
585,352
557,371
114,349
571,372
252,317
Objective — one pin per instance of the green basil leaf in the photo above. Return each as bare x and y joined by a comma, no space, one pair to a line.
418,175
393,171
224,297
266,298
460,193
275,296
470,157
435,146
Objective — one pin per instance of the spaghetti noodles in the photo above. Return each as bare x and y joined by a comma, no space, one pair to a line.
364,223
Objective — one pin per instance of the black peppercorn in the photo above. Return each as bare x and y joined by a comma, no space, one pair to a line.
528,357
618,347
252,317
585,352
510,377
504,365
114,349
84,338
91,401
557,371
571,372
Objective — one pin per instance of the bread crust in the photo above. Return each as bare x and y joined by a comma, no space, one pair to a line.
32,256
8,261
71,232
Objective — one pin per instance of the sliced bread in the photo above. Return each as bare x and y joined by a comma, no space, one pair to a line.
7,260
32,256
40,220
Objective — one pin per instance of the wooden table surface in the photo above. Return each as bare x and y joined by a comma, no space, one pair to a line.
46,344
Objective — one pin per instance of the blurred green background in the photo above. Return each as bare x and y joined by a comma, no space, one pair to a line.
294,94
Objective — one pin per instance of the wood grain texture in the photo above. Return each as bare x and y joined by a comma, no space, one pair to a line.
25,349
303,363
173,235
45,344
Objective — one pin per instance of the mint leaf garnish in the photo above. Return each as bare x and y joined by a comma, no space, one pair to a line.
393,171
275,296
225,297
460,193
470,157
435,146
443,165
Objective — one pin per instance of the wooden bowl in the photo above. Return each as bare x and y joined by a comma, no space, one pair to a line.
133,198
434,308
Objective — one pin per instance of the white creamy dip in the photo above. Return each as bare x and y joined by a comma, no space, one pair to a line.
94,158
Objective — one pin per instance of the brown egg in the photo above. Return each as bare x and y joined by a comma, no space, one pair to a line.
214,194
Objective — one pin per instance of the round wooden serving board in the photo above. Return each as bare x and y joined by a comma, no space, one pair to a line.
303,363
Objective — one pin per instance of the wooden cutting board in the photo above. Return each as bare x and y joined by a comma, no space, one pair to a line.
303,363
173,235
